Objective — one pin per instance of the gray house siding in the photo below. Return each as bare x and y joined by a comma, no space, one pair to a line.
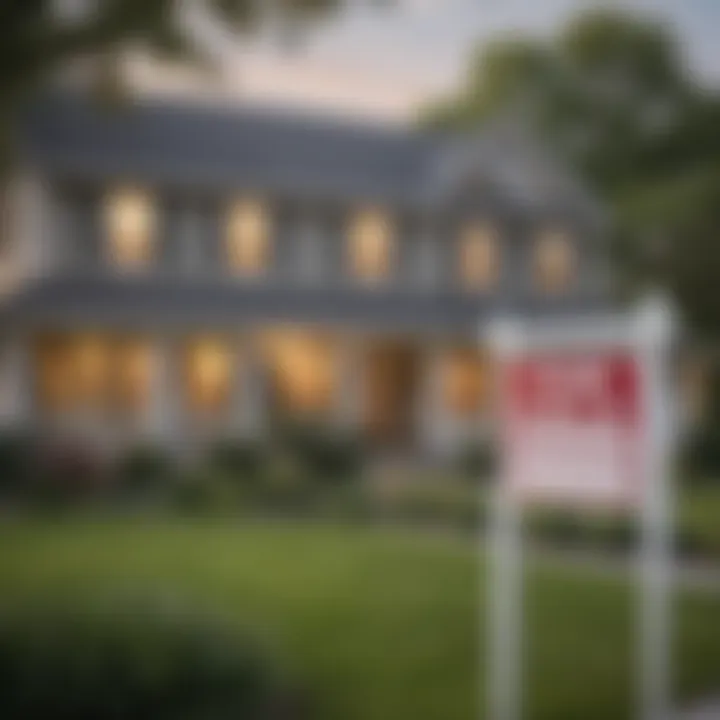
313,177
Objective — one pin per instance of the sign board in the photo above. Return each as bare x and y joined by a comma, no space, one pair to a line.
572,426
584,420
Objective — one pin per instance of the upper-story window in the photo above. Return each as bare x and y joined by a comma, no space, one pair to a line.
478,261
130,224
554,261
248,237
370,248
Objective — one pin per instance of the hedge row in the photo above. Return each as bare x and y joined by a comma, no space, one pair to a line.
130,660
57,474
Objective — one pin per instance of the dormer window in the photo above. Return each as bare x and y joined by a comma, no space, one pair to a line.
554,261
130,220
370,246
478,262
248,238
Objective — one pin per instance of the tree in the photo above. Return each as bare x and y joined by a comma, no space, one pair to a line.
612,97
40,37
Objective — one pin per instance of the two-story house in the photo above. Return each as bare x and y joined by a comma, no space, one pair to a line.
179,272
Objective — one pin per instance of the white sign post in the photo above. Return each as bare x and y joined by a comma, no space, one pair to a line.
584,419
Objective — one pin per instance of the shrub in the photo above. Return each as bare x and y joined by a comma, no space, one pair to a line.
206,491
149,661
144,468
700,456
16,460
556,527
242,459
478,461
68,473
286,484
325,453
447,504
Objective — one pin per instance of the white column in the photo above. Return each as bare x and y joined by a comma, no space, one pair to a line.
15,385
435,422
249,410
164,407
351,384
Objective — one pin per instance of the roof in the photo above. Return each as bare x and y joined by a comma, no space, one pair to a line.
232,148
164,141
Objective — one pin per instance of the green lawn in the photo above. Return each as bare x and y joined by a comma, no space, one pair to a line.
700,513
379,625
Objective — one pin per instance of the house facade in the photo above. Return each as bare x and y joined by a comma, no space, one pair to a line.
177,273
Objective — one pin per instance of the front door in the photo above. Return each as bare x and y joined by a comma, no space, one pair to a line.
392,393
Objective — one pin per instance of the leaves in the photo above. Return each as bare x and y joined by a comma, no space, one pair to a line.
611,96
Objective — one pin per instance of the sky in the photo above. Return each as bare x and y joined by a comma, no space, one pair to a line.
389,61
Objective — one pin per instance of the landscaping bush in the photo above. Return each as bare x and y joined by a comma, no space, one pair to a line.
241,459
451,505
144,469
68,473
204,490
146,662
16,461
556,527
286,485
478,461
324,452
700,456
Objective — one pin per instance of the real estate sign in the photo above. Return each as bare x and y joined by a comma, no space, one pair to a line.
584,420
572,426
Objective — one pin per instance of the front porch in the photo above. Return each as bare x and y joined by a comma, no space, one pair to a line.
399,394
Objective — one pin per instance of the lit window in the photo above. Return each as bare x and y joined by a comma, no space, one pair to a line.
248,238
133,370
478,257
92,373
131,229
370,246
92,366
54,368
464,376
209,376
303,370
554,261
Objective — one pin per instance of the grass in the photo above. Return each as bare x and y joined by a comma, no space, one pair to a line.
380,625
700,513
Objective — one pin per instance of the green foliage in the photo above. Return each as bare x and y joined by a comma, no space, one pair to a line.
242,459
208,491
130,660
700,458
478,461
321,452
382,624
16,461
286,484
68,474
446,504
144,469
612,98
